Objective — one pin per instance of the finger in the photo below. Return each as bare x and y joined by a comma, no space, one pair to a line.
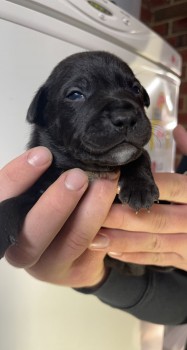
130,242
69,260
70,245
161,219
86,271
86,220
156,259
172,187
46,218
180,136
23,171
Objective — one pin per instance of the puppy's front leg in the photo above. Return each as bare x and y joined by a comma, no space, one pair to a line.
137,185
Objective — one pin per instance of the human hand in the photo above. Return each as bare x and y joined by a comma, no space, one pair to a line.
51,247
155,238
62,256
180,136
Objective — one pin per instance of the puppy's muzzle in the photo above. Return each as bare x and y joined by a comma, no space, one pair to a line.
122,112
124,118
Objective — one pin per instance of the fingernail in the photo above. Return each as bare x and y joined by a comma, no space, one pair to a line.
101,241
75,179
39,156
114,254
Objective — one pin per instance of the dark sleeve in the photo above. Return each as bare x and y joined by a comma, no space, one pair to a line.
182,165
155,297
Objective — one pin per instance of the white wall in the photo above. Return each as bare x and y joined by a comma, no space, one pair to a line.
37,316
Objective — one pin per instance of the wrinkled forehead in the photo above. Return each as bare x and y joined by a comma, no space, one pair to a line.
82,70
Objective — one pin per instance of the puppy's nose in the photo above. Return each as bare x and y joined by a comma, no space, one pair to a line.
122,121
125,117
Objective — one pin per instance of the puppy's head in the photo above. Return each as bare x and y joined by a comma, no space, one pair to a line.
92,108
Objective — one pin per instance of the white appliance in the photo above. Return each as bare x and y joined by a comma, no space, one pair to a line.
34,37
36,34
131,6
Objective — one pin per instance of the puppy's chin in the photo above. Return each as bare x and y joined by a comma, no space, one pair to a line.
120,155
114,157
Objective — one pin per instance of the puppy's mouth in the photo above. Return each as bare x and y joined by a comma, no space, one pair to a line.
115,156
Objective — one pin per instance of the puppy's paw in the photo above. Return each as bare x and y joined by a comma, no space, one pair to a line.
139,194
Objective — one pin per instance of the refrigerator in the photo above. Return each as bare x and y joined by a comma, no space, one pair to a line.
34,36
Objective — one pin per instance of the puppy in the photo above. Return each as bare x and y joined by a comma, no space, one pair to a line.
90,114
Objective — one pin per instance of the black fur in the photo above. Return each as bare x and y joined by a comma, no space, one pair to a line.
90,114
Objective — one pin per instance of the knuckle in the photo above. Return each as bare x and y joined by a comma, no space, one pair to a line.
54,199
156,259
166,259
159,222
10,176
21,258
155,243
78,242
178,187
54,202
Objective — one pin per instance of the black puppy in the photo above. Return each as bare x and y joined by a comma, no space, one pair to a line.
90,114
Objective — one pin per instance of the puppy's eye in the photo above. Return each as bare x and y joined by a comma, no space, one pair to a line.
136,88
75,96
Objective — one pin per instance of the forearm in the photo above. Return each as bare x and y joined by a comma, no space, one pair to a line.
154,297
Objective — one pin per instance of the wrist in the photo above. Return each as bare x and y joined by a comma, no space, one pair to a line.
96,284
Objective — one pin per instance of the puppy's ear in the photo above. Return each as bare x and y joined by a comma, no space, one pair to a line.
36,111
146,98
